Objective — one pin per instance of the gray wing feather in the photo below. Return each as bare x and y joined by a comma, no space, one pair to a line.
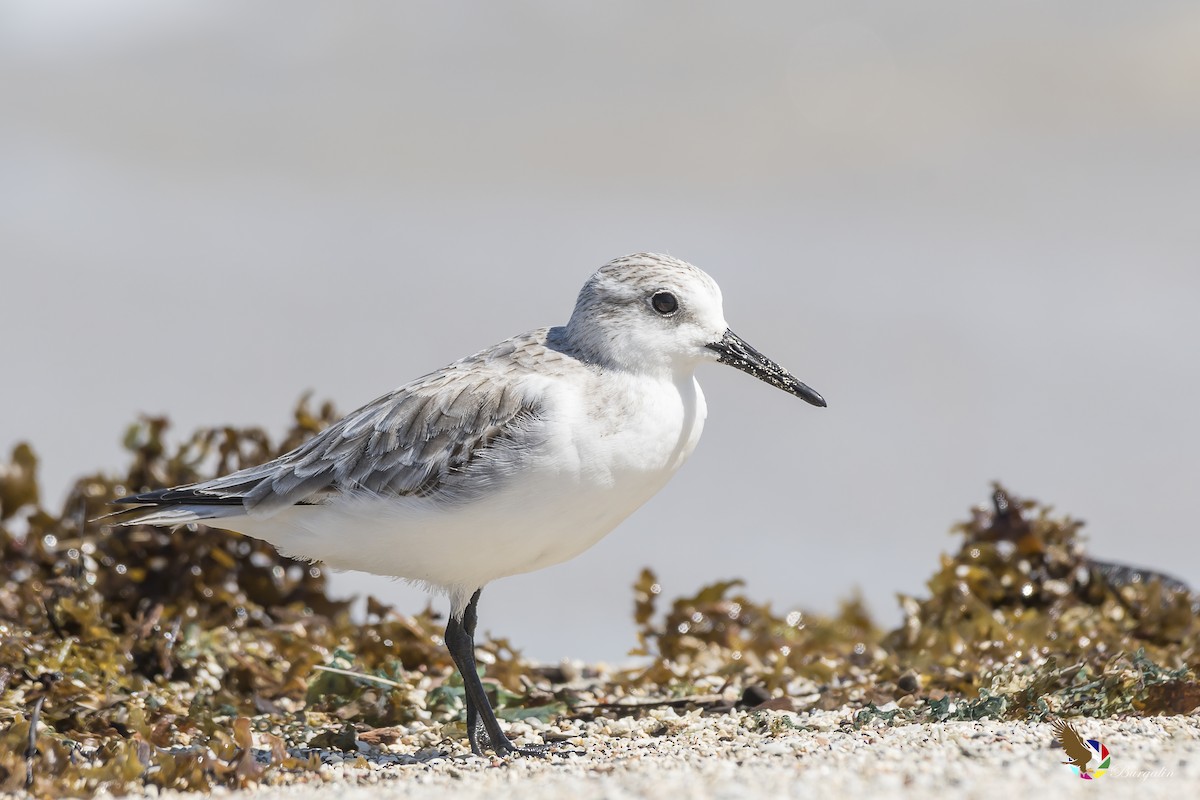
420,440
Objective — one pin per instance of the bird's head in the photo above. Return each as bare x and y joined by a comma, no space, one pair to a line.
652,313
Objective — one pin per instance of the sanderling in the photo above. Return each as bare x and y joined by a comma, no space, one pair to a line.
516,458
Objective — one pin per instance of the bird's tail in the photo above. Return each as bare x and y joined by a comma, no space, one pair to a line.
169,515
179,506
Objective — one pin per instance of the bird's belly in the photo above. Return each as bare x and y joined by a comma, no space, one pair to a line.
534,523
564,501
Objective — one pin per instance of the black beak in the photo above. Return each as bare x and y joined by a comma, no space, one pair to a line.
736,353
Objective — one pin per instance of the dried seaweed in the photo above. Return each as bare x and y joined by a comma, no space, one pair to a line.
169,642
1022,593
1020,597
140,656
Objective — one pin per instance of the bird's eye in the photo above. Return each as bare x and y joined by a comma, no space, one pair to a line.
664,303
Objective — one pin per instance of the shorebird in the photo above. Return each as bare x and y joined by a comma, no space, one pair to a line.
510,460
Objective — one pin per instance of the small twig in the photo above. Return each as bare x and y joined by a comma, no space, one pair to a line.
362,676
31,750
47,680
697,699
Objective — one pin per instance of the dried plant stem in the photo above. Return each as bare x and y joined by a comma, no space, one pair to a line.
361,675
31,750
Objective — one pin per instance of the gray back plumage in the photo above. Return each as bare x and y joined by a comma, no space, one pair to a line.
422,440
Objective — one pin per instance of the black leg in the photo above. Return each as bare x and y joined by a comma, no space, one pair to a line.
483,729
478,737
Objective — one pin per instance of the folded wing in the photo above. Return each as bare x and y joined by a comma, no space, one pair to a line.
418,441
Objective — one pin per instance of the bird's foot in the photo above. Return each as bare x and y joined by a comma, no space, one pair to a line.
482,741
537,750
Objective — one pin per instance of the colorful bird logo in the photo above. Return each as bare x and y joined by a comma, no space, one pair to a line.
1087,757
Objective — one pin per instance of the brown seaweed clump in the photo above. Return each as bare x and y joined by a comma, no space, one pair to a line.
1019,622
1022,597
721,633
133,656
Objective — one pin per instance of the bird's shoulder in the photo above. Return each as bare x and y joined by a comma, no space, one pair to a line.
418,439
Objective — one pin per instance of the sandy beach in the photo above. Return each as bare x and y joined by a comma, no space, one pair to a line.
747,755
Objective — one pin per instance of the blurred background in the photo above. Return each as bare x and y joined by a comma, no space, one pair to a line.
973,228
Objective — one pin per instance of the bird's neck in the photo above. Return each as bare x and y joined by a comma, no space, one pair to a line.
601,348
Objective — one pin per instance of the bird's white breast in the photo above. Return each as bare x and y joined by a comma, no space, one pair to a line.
608,447
615,444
